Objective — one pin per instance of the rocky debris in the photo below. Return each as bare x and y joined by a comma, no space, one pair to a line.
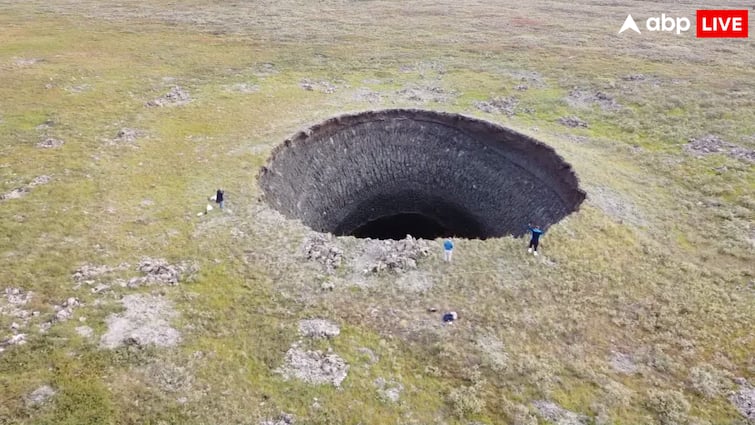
521,87
320,248
65,310
244,88
744,399
498,105
558,415
15,193
282,419
100,288
711,144
313,367
583,97
89,273
17,339
363,94
145,321
572,122
24,190
318,328
50,143
85,331
393,255
390,391
623,363
426,94
321,86
177,96
160,272
11,306
40,396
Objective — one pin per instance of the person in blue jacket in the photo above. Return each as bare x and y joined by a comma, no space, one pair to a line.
536,233
448,249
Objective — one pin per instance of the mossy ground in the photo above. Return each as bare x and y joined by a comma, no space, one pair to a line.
671,284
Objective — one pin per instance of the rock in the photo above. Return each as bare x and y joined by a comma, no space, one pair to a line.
40,396
426,94
50,143
17,339
393,255
579,97
318,328
127,135
15,193
160,272
100,288
40,180
313,367
321,86
572,122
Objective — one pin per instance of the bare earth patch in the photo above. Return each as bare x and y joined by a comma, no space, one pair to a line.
318,328
314,367
40,396
50,143
177,96
557,414
145,321
572,122
580,98
744,400
24,190
422,94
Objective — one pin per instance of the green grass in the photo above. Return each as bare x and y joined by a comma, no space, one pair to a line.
673,290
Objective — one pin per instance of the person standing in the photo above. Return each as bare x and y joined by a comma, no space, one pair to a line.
448,250
535,240
219,198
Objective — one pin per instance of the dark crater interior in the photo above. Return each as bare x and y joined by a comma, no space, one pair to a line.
386,174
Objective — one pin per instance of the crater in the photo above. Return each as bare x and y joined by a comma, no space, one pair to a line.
385,174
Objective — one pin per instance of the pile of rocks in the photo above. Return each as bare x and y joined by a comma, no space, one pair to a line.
498,105
572,122
393,255
318,328
314,367
321,248
160,272
710,144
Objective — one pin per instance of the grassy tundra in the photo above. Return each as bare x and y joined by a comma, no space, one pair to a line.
640,311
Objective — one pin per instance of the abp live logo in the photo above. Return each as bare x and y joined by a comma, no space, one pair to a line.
722,24
710,24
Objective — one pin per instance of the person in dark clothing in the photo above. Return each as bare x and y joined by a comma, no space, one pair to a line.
535,241
219,198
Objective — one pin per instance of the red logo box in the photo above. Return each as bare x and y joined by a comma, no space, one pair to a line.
722,24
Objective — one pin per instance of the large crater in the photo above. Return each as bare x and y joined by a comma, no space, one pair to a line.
385,174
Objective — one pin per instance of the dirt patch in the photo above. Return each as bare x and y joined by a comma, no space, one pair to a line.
282,419
65,311
573,122
389,390
616,205
623,363
318,328
558,415
145,321
40,396
243,88
22,191
322,86
363,94
498,105
314,367
50,143
160,272
711,144
744,399
580,98
177,96
415,281
321,248
391,255
127,135
423,94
